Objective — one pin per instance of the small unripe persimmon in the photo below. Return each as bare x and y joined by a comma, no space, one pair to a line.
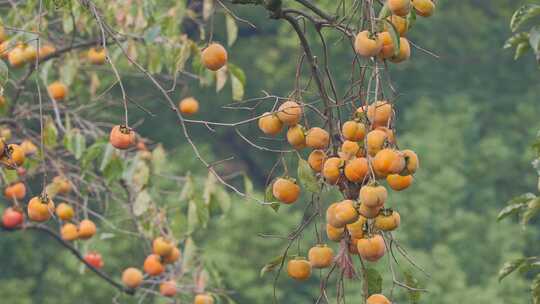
321,256
214,57
285,190
353,131
399,7
69,232
356,229
356,170
387,220
369,212
316,160
399,182
97,55
122,137
375,141
366,46
16,57
12,218
65,212
153,266
40,208
290,113
172,257
331,169
379,113
203,299
404,51
270,124
424,8
296,137
317,138
132,277
168,288
162,247
188,106
373,196
411,161
371,248
334,234
299,269
16,191
57,90
378,299
345,213
87,229
401,24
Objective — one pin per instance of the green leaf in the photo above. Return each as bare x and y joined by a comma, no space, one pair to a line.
534,39
189,255
221,79
44,74
141,175
385,12
374,280
248,185
224,199
269,198
4,73
232,29
10,176
411,281
151,34
272,265
113,171
75,142
510,267
209,187
523,14
237,72
509,210
306,177
238,81
159,159
107,157
521,49
394,35
535,289
67,22
533,208
193,218
142,203
92,153
411,19
183,55
516,39
50,133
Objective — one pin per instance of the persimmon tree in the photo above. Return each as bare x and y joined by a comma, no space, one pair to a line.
67,62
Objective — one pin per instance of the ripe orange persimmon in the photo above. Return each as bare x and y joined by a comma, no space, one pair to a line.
390,137
290,112
28,147
296,137
331,216
188,106
14,157
401,24
379,113
404,51
316,160
87,229
65,212
356,170
424,8
353,131
122,137
40,208
356,229
369,212
16,191
63,184
168,288
132,277
349,149
387,50
286,190
162,247
333,233
153,266
69,232
367,45
270,124
97,55
399,182
331,169
57,90
411,161
203,299
388,161
94,259
375,141
214,56
345,213
46,50
16,57
373,196
371,248
387,220
299,269
173,256
321,256
12,218
29,53
399,7
378,299
317,138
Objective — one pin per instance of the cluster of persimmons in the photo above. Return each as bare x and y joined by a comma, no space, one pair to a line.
367,161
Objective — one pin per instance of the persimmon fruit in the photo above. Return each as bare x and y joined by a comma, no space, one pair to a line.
270,124
321,256
371,248
290,112
286,190
214,56
188,106
132,277
87,229
57,90
317,138
122,137
16,191
12,218
299,269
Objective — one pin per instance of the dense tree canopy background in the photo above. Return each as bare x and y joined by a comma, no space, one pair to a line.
470,114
